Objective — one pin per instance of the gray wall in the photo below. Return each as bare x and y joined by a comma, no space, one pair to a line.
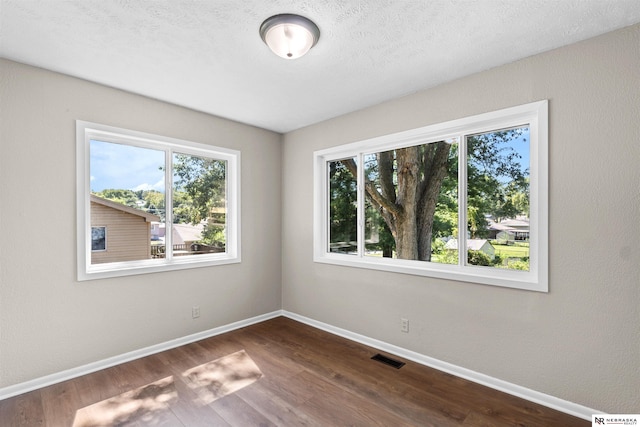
581,341
50,322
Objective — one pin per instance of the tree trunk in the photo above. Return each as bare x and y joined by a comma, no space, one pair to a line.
408,206
406,220
435,170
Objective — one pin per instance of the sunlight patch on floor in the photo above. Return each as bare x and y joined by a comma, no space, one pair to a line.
221,377
148,404
139,404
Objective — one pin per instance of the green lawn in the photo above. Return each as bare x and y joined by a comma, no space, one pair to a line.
506,251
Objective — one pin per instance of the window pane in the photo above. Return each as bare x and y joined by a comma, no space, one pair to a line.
444,249
199,205
411,206
378,167
343,206
415,195
127,199
498,199
98,238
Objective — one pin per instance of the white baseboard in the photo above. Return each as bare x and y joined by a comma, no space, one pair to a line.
486,380
495,383
68,374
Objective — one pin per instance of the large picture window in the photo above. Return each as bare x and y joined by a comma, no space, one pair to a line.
166,203
463,200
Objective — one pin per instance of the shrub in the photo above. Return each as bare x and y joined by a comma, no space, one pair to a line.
519,265
479,258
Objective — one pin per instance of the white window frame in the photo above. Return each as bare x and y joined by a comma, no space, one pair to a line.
85,132
534,114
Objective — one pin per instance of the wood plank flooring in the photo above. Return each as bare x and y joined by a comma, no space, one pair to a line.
286,374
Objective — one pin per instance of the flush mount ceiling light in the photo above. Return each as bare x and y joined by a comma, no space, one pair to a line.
289,36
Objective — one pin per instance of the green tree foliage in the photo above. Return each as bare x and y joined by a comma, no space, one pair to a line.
125,197
479,258
414,190
182,208
511,200
151,201
154,202
203,180
200,195
445,221
385,241
519,265
497,184
343,210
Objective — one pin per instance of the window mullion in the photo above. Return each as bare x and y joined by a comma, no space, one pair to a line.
492,170
462,201
168,202
360,200
85,190
326,203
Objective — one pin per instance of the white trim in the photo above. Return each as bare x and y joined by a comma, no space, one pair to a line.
477,377
68,374
534,114
85,132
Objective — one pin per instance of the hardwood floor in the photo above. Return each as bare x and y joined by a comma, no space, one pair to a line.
276,373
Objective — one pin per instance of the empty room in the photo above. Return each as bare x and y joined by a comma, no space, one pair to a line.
323,213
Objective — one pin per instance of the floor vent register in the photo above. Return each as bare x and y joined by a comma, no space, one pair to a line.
388,361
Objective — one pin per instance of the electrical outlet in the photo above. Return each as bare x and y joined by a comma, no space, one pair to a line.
195,312
404,325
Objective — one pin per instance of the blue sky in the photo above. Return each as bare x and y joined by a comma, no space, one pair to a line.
521,145
125,167
133,168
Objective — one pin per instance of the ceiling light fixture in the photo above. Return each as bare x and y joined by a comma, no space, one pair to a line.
289,36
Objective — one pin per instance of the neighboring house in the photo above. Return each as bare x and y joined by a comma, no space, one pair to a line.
119,232
509,230
507,237
481,245
184,236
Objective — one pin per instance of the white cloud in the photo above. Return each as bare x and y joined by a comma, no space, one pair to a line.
144,187
158,186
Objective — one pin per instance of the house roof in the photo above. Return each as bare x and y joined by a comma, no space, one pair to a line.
515,225
500,227
472,244
187,232
115,205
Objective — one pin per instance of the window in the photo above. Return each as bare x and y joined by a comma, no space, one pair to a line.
148,203
98,238
463,200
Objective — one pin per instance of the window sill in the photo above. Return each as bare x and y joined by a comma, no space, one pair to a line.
118,269
516,279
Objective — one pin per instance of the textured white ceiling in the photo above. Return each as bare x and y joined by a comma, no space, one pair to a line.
208,55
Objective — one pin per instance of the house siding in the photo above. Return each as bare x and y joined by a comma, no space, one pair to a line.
128,236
